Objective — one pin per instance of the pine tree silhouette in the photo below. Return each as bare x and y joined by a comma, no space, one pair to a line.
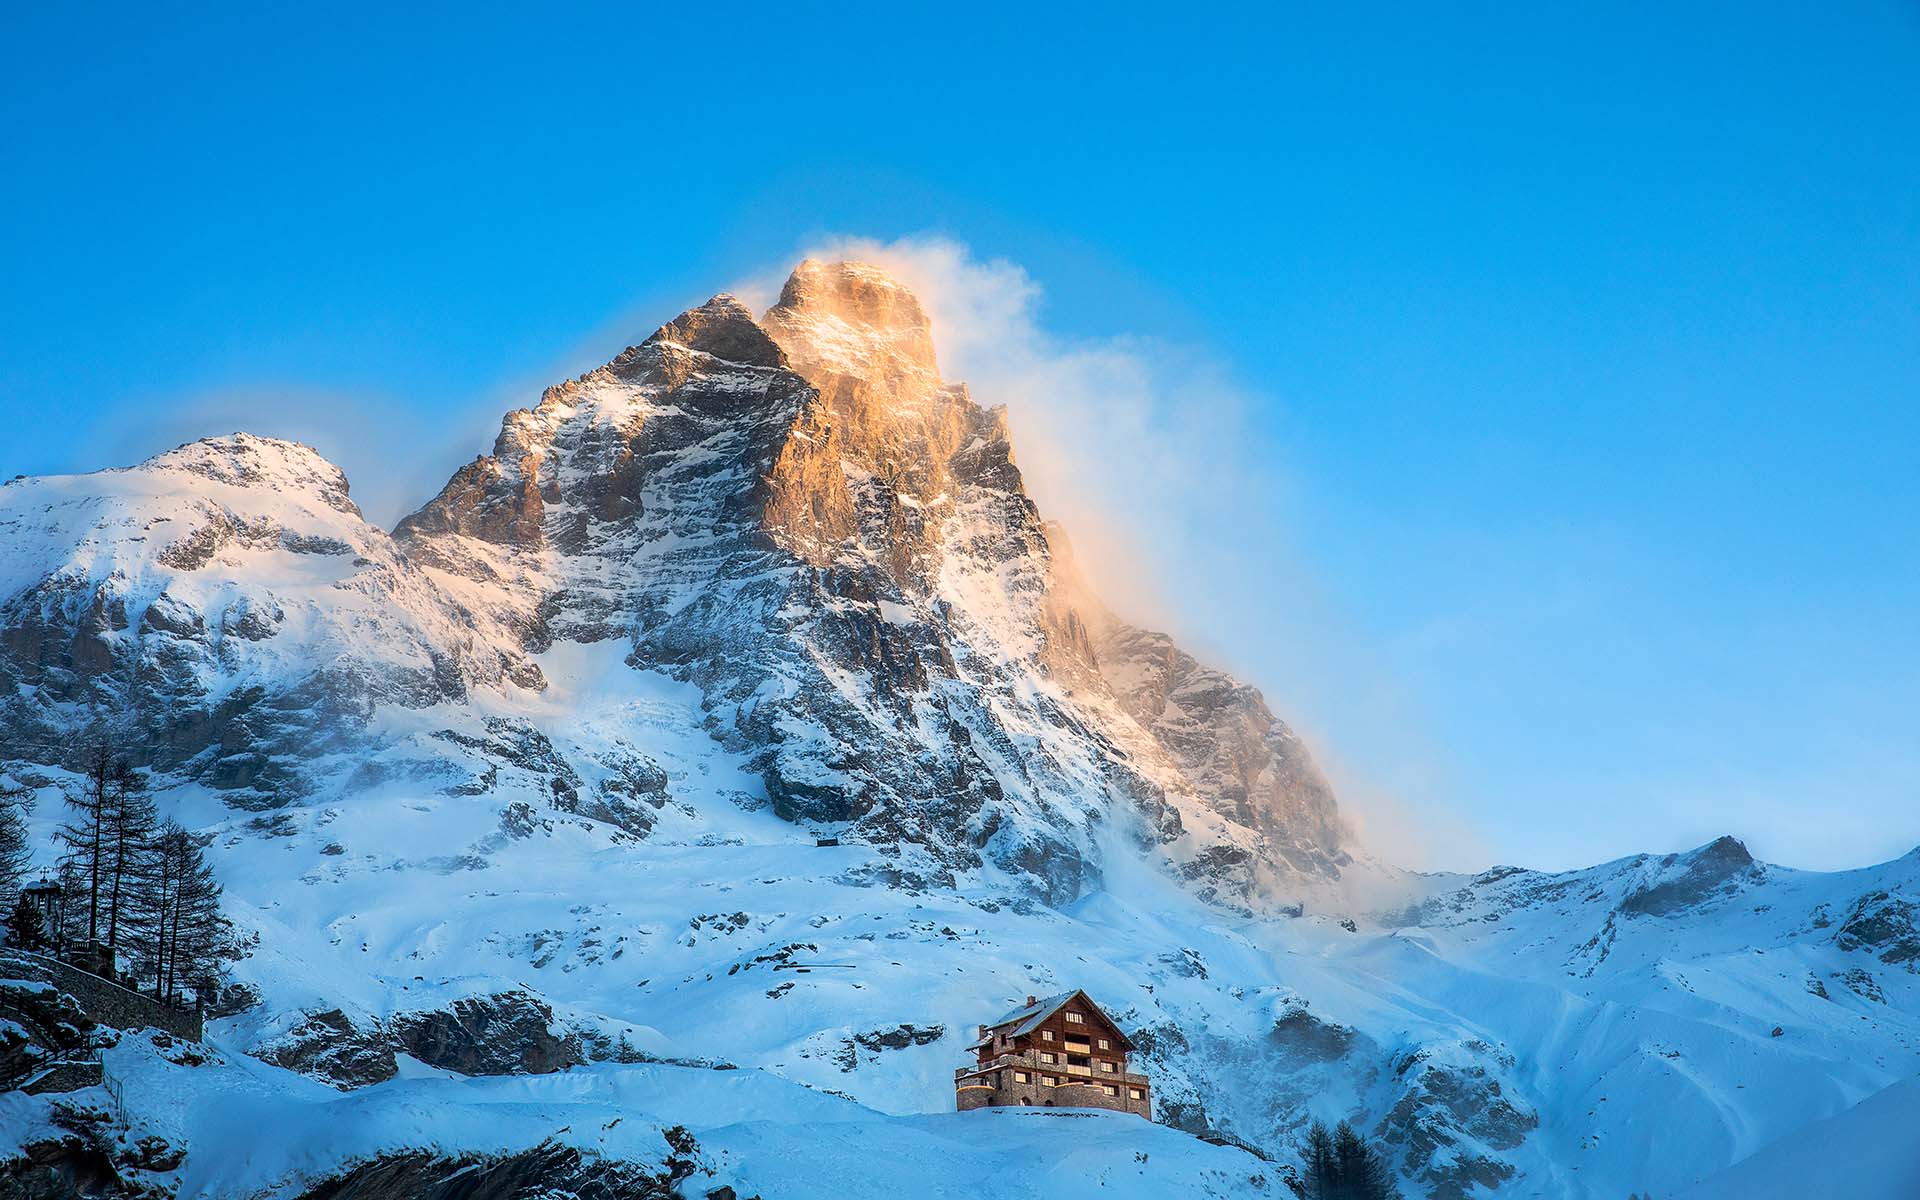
1339,1165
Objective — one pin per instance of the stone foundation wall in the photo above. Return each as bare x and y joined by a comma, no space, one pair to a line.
974,1091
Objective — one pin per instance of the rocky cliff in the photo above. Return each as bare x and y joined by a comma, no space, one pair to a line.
801,517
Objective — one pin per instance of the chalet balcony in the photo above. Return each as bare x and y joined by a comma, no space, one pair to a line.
1021,1062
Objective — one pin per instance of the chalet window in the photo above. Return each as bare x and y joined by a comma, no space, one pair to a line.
1111,1090
1046,1035
1076,1019
1020,1077
1104,1045
1107,1067
1045,1057
1138,1094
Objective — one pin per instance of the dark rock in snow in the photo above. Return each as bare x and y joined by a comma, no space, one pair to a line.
509,1033
1302,1036
551,1171
1713,870
329,1047
1884,924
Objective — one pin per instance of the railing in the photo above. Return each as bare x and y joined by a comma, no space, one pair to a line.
116,1091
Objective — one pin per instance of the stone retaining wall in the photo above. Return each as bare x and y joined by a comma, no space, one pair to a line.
110,1004
65,1077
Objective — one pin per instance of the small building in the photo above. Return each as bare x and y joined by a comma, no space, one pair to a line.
1057,1052
49,900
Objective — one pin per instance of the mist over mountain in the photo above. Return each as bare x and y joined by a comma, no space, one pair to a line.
716,749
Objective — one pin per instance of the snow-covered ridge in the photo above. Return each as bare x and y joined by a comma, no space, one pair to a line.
225,606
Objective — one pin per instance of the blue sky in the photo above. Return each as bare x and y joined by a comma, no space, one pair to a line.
1572,352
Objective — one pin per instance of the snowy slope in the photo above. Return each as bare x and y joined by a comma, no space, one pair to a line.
1470,1050
743,1128
1865,1153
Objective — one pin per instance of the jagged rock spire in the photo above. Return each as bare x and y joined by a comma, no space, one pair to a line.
852,317
724,328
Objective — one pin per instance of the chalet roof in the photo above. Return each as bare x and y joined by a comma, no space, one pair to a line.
1029,1017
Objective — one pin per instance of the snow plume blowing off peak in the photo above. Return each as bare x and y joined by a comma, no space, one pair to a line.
1179,510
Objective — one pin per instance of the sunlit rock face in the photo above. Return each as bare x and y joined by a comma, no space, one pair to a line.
935,485
802,517
1219,745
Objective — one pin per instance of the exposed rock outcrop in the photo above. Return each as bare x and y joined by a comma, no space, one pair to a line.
1885,925
1683,882
509,1033
329,1046
552,1171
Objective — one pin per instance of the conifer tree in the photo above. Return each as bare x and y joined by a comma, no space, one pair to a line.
85,834
1320,1162
1361,1169
25,927
1339,1165
176,910
15,854
129,828
65,928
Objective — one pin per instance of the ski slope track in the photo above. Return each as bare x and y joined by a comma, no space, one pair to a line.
666,800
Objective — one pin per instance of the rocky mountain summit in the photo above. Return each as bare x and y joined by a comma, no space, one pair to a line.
737,731
795,514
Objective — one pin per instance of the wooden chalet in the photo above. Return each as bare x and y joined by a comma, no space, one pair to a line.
1057,1052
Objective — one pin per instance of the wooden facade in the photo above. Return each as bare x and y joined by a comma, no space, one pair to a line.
1058,1052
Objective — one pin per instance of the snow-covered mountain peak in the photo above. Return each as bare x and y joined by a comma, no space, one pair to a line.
722,327
270,464
181,510
853,318
225,605
800,516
